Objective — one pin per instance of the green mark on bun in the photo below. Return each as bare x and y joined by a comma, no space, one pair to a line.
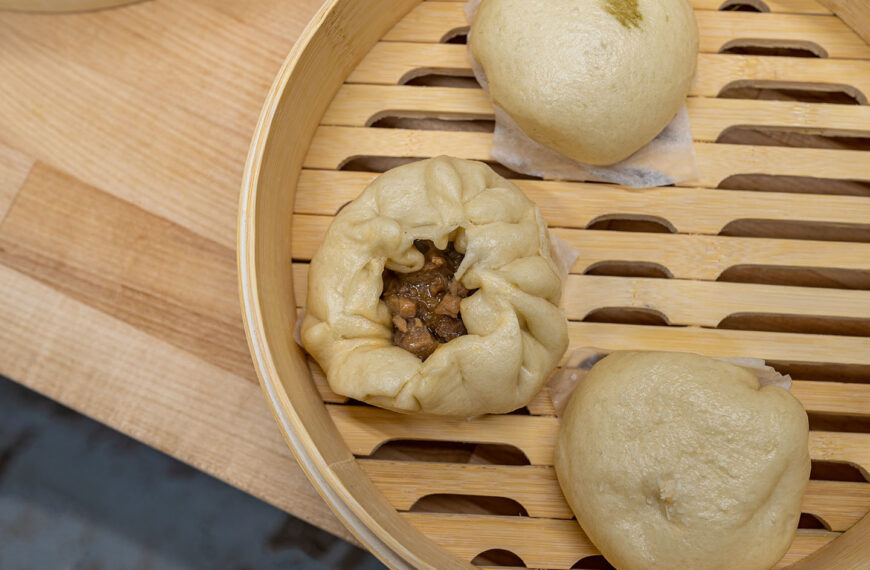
626,12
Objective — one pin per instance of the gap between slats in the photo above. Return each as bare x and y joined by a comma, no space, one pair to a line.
397,62
365,428
433,22
825,396
547,542
820,397
578,204
684,256
332,147
774,6
534,487
685,302
358,105
539,542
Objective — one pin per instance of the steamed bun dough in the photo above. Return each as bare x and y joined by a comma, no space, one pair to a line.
592,79
673,460
516,331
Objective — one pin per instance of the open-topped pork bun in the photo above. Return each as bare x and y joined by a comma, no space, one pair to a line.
594,80
435,292
675,460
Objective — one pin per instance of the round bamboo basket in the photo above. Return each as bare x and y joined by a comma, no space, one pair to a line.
766,255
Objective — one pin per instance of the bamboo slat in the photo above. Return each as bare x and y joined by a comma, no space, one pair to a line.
576,204
554,543
685,302
391,63
538,542
775,6
357,105
776,346
837,504
333,147
433,22
682,255
366,428
837,398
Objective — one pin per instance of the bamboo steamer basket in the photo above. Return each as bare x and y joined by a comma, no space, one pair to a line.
766,255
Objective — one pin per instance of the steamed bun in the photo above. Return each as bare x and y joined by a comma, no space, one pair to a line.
517,332
594,80
674,460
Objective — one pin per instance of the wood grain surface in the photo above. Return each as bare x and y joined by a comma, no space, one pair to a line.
123,135
856,15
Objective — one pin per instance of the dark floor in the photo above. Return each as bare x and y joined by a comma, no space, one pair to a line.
76,495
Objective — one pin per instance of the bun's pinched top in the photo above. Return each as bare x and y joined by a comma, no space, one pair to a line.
594,80
516,332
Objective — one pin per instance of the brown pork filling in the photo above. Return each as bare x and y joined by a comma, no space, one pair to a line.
424,304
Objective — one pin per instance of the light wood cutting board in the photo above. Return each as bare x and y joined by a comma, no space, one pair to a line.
123,135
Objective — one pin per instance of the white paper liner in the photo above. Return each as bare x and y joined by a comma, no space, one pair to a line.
667,159
581,360
767,375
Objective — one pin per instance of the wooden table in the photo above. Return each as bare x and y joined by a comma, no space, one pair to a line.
123,134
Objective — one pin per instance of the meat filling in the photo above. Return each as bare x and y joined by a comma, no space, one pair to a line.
424,304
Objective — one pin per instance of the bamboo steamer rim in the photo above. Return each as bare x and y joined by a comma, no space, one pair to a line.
366,526
338,497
